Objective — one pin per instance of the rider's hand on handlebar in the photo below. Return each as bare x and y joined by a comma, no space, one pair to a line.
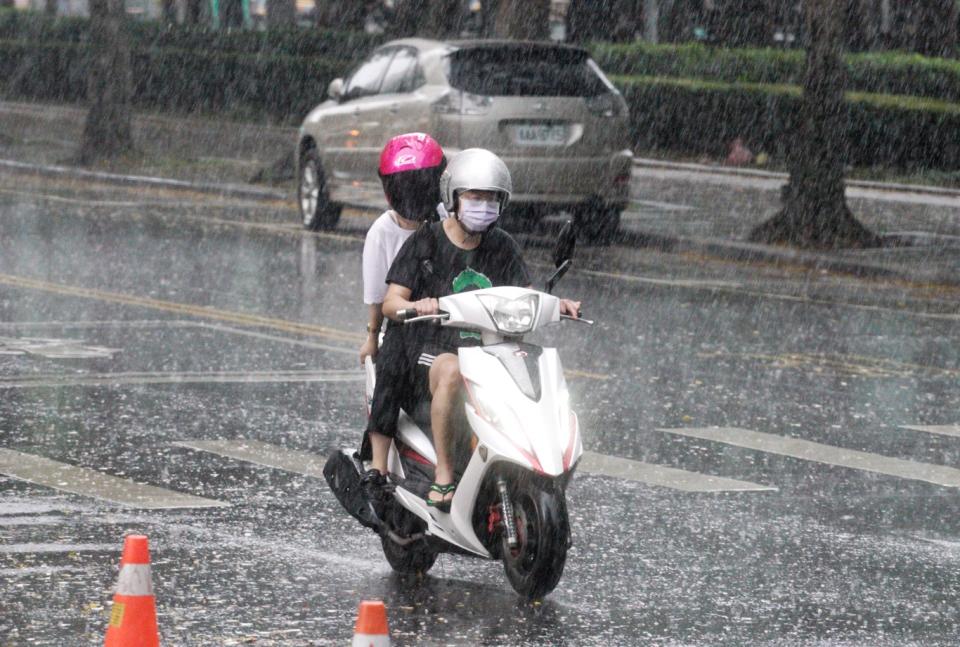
570,308
428,306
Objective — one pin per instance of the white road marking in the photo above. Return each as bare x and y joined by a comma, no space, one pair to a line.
670,477
16,549
946,430
185,377
265,454
827,454
86,482
663,206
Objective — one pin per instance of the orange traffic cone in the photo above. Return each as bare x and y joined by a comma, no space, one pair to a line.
133,619
371,629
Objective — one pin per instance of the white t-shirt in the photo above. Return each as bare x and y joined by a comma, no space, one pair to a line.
384,239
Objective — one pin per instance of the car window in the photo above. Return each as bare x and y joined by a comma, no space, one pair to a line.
366,79
402,73
526,71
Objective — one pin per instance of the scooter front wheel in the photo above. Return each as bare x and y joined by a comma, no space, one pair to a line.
534,567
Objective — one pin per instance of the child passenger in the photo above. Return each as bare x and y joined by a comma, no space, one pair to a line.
410,168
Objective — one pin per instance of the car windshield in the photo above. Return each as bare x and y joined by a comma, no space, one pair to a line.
522,71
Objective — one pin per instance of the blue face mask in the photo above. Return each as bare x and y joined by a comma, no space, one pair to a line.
476,216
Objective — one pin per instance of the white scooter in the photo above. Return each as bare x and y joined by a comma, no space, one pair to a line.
513,458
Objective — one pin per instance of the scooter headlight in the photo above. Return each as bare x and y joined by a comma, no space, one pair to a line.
512,316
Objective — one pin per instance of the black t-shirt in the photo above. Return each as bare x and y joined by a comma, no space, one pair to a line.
432,266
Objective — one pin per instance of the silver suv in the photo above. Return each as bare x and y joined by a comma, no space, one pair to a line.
546,109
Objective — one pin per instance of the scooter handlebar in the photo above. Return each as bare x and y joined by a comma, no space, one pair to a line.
406,313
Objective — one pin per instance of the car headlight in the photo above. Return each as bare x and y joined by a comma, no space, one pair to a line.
512,316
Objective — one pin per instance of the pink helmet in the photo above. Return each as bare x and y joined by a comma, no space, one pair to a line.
410,168
410,152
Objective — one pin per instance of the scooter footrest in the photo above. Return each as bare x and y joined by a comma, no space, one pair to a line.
342,472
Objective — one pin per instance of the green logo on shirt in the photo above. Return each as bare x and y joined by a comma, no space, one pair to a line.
471,278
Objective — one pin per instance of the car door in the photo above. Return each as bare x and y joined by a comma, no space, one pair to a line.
354,128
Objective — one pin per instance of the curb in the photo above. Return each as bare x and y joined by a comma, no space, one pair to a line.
644,162
234,190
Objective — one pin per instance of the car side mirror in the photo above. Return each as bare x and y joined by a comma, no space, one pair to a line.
566,243
335,89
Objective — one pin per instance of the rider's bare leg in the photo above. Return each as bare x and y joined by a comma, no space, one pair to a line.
380,446
445,384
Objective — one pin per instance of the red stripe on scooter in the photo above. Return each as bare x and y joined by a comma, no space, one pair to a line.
523,452
414,456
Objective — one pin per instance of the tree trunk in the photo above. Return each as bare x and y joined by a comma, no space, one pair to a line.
815,213
51,7
281,13
107,131
522,19
168,12
193,12
231,14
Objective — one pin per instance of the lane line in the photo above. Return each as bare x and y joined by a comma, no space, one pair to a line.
660,475
264,454
184,377
182,308
946,430
311,464
87,482
826,454
207,312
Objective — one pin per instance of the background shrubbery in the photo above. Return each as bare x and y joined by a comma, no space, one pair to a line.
902,110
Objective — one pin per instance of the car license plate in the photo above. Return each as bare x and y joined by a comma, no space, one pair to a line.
540,134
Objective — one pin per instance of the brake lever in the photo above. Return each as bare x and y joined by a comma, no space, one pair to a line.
437,317
588,322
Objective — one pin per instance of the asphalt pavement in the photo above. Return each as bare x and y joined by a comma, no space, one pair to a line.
677,207
773,448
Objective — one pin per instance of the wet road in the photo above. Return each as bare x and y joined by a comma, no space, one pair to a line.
137,326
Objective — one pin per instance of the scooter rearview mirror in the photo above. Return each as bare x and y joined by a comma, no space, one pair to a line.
566,243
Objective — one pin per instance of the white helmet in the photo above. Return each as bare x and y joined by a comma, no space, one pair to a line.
475,169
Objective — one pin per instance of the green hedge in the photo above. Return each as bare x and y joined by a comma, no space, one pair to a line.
343,45
882,73
282,87
704,116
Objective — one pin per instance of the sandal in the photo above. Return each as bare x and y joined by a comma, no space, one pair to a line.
443,505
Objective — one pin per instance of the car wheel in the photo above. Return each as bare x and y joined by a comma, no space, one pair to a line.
597,224
316,209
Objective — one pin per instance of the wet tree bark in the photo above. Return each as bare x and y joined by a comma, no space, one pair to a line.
231,14
815,213
107,131
193,12
168,12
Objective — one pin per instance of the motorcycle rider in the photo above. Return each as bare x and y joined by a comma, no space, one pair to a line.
410,168
460,253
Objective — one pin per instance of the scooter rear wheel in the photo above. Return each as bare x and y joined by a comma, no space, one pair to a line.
414,558
534,567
